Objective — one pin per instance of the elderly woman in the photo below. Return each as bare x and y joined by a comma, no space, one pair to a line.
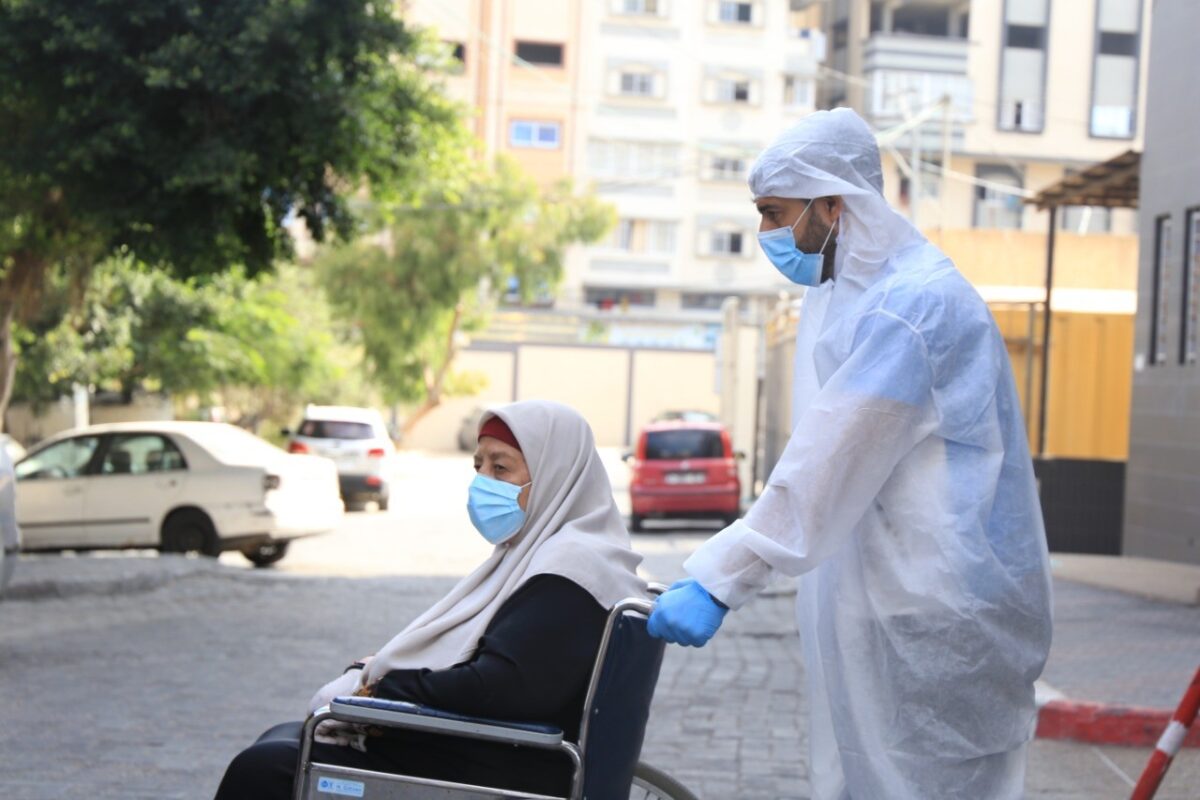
515,639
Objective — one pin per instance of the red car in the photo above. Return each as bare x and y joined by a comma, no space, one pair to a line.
684,469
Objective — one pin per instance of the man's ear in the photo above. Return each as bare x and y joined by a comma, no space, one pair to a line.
834,206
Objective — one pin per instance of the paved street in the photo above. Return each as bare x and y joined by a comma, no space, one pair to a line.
148,694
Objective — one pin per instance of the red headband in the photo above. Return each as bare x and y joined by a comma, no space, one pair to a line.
497,429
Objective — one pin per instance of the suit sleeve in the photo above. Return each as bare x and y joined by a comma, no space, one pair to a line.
869,414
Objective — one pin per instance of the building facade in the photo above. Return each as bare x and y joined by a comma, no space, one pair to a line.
1162,489
1036,88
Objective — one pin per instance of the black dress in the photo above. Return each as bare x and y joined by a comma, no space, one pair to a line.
533,664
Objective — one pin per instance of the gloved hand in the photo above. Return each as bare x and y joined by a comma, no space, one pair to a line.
686,614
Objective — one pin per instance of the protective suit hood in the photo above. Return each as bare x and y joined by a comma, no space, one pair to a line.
833,153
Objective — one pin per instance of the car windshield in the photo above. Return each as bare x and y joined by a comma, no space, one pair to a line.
335,429
681,444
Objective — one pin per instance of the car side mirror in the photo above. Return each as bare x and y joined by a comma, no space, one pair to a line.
740,455
627,456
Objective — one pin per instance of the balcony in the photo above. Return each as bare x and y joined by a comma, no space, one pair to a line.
908,73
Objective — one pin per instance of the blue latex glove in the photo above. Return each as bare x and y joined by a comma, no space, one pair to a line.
686,614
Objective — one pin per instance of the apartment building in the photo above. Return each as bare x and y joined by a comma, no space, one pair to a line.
1037,88
1162,489
660,107
677,100
518,69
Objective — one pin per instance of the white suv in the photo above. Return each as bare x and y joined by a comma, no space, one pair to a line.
357,440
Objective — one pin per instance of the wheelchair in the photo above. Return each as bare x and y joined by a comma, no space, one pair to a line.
605,760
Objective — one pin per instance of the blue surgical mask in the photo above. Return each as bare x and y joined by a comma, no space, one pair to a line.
494,509
798,267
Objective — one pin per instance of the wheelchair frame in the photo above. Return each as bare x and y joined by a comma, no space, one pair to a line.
333,780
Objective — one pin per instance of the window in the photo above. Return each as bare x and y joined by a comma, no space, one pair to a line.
684,444
741,13
548,55
335,429
797,91
1160,302
1085,219
931,181
645,8
525,133
67,459
733,91
998,197
727,168
626,159
1023,66
639,84
140,453
727,242
644,236
1115,69
1190,317
707,301
606,299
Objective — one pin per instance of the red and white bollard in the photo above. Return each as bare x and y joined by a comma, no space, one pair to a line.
1170,742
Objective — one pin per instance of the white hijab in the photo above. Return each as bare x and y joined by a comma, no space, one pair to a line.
572,529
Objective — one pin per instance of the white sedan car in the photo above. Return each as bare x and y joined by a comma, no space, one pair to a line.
175,486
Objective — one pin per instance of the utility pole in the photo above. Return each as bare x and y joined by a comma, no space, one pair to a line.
945,203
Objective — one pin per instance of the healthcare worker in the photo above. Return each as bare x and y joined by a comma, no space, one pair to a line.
905,498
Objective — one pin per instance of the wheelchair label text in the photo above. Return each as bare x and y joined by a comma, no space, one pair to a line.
342,787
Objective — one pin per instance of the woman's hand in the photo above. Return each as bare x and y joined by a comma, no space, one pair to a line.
365,691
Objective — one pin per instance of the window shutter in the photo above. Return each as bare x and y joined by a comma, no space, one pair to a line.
754,97
614,82
703,242
756,14
660,85
714,11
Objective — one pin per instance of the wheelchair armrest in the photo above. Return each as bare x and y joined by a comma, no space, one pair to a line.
399,714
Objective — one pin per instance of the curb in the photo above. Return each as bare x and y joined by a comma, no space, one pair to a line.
1102,723
128,578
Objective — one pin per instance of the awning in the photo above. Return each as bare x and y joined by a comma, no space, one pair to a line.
1112,183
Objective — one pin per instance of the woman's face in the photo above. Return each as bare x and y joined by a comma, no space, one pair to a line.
500,461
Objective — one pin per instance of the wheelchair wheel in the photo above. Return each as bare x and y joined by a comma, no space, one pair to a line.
651,783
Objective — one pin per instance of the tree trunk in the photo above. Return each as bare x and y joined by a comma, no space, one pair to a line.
435,379
8,354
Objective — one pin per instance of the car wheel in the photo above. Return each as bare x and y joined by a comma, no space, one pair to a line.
636,523
267,553
383,503
190,530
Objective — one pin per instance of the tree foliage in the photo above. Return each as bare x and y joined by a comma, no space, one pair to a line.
187,131
268,341
427,271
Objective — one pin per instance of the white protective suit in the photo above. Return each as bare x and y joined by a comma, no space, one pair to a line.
906,501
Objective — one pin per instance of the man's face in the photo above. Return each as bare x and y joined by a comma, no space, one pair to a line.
813,230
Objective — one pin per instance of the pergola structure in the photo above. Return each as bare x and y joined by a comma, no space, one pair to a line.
1112,184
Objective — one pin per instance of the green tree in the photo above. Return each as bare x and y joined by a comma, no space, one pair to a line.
432,268
188,131
260,346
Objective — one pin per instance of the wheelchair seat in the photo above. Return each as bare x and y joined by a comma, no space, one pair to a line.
604,760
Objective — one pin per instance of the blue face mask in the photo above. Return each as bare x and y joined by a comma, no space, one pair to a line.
493,508
798,267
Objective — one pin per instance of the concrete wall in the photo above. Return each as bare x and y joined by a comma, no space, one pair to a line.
617,389
29,428
1162,504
